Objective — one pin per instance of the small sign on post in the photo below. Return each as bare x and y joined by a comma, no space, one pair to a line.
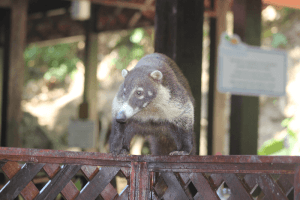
250,70
82,133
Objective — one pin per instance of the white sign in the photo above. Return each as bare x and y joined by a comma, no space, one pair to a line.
249,70
82,133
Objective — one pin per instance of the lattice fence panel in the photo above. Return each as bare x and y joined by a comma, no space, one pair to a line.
55,175
22,181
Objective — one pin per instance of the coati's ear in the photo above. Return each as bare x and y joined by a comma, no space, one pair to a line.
124,73
156,75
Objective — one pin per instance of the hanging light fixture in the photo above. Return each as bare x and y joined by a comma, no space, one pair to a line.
80,10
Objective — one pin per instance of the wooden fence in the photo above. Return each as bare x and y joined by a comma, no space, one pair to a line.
148,177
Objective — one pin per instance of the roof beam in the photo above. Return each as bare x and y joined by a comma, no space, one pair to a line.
138,15
5,3
123,4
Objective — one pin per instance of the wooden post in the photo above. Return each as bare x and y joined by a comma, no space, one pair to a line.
245,109
4,44
178,34
14,72
216,128
297,183
88,108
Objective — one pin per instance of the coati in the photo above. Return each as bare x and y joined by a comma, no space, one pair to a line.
155,99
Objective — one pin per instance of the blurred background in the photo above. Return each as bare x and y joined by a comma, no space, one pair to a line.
54,81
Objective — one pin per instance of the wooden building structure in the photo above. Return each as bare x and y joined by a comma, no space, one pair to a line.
179,35
28,21
179,27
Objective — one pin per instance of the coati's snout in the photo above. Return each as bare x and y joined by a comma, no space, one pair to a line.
121,117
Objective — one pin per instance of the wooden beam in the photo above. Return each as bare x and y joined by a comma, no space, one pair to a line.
5,3
89,107
178,34
15,74
135,18
123,4
216,128
245,109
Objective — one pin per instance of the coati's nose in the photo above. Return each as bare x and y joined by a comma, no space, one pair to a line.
121,117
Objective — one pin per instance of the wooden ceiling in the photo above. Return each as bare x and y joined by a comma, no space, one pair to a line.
52,20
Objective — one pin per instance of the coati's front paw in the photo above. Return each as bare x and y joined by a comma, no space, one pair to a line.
178,153
124,152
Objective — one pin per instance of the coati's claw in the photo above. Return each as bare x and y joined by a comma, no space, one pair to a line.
179,153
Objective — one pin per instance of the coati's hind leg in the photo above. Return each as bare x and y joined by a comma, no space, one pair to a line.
183,139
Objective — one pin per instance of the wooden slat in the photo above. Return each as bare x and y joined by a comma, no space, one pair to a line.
134,171
297,184
89,171
125,171
102,159
109,192
98,183
2,163
285,184
269,187
203,187
125,194
70,192
238,190
51,169
224,167
30,191
174,190
11,169
217,180
59,181
17,183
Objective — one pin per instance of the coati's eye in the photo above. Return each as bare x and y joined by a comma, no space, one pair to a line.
139,93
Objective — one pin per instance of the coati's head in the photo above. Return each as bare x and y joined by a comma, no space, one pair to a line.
139,90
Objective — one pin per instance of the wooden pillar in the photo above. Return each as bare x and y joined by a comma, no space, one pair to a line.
178,34
88,109
245,109
14,75
216,128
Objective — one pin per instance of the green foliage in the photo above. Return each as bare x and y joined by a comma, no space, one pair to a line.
78,184
59,60
129,48
283,146
271,146
278,40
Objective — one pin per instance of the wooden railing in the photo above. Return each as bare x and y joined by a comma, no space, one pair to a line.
148,177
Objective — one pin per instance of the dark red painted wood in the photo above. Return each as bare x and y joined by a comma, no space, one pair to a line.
174,190
20,180
10,169
297,184
151,177
238,189
58,182
205,191
285,182
98,183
